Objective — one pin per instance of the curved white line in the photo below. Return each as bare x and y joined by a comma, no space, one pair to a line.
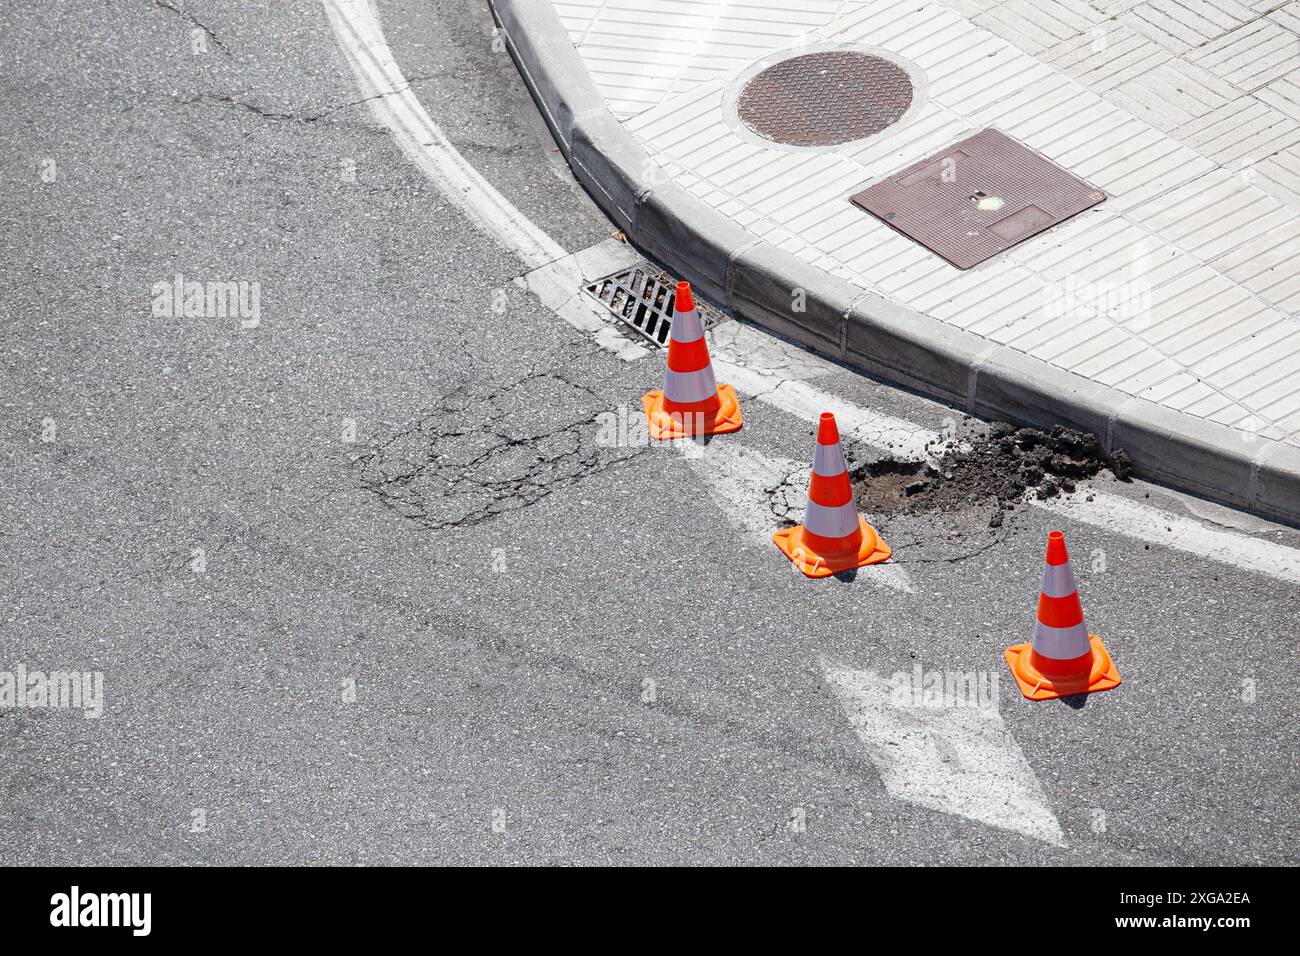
553,279
397,107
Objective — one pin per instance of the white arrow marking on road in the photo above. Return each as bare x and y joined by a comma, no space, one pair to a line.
959,760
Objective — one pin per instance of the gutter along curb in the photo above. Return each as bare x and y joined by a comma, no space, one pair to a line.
860,329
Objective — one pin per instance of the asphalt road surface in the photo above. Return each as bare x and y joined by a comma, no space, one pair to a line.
366,581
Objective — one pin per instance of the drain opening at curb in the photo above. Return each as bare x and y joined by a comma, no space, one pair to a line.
642,299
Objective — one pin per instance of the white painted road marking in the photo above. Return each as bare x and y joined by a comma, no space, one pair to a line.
555,277
1128,517
742,482
959,760
885,432
559,285
396,106
956,760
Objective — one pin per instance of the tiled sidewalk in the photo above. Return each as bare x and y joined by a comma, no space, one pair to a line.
1181,289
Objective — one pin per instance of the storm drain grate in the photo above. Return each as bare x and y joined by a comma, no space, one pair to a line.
643,300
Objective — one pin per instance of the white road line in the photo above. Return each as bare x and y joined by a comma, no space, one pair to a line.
555,276
857,424
959,760
745,484
1124,516
742,482
397,107
777,373
559,285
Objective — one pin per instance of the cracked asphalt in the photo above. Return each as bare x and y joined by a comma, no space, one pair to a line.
364,583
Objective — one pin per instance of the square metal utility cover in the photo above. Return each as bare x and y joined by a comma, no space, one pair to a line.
980,197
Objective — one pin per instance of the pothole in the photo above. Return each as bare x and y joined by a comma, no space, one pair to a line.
889,485
996,467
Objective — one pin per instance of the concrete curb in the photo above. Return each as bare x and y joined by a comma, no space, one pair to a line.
862,330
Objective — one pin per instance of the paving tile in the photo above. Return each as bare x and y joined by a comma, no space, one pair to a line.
1176,288
1252,56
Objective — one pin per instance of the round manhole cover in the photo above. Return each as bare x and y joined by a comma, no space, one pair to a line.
826,98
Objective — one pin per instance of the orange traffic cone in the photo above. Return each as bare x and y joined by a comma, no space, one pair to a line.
833,536
691,402
1064,659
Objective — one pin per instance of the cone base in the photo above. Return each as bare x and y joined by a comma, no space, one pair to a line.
665,426
872,550
1037,686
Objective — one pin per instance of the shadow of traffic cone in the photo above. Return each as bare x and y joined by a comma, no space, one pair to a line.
833,536
691,402
1063,659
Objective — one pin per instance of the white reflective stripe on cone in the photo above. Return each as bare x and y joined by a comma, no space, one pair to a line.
1061,643
690,386
686,326
836,522
828,460
1058,580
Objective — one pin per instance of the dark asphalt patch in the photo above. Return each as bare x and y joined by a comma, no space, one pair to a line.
471,458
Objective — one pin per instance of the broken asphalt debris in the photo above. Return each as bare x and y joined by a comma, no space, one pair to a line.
997,463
